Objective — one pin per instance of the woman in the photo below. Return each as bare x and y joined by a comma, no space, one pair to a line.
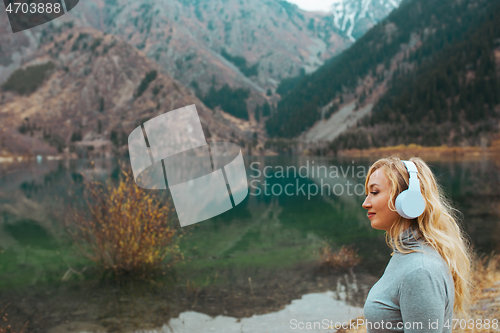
428,275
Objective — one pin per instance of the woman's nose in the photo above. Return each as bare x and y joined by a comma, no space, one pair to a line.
366,204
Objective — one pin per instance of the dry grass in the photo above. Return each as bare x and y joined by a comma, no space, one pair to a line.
485,297
6,327
125,229
344,258
486,291
436,153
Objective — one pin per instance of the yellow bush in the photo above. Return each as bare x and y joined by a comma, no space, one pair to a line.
124,228
344,258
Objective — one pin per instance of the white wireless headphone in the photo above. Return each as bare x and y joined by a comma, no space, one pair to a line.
410,203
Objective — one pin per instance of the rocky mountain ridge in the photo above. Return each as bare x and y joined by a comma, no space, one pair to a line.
96,89
188,37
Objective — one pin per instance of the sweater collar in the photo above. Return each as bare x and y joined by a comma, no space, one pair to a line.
410,238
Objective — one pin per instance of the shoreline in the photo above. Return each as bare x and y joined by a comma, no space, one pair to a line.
429,153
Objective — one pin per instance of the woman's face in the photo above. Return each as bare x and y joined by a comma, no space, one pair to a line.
377,201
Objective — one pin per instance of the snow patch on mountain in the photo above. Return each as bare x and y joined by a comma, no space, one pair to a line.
354,17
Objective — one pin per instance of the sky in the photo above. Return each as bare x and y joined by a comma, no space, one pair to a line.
314,5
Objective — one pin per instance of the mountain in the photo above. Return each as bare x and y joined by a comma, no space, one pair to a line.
188,37
427,74
356,17
207,44
83,91
231,54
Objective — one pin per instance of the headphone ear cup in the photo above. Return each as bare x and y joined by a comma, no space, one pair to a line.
399,203
411,205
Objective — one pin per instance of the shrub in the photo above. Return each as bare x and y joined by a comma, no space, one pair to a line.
157,89
118,138
76,136
344,258
241,63
95,44
232,101
25,81
148,78
124,229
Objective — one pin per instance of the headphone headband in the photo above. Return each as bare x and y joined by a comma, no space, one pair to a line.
410,166
413,183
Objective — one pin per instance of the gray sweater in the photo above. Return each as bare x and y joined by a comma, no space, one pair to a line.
415,294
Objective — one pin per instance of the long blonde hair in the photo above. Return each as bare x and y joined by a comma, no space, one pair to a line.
438,224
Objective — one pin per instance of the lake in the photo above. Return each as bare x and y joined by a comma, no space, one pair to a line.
256,264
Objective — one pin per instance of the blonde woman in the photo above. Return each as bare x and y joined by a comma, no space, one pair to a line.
428,275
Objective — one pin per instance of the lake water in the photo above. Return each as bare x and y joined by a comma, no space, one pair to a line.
255,264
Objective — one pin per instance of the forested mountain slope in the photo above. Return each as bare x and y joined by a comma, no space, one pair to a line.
452,98
422,55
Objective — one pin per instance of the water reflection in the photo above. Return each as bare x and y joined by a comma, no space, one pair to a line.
319,311
270,240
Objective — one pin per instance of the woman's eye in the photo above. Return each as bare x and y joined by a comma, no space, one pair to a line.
373,193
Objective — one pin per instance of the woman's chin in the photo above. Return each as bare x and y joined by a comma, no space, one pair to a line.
376,225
